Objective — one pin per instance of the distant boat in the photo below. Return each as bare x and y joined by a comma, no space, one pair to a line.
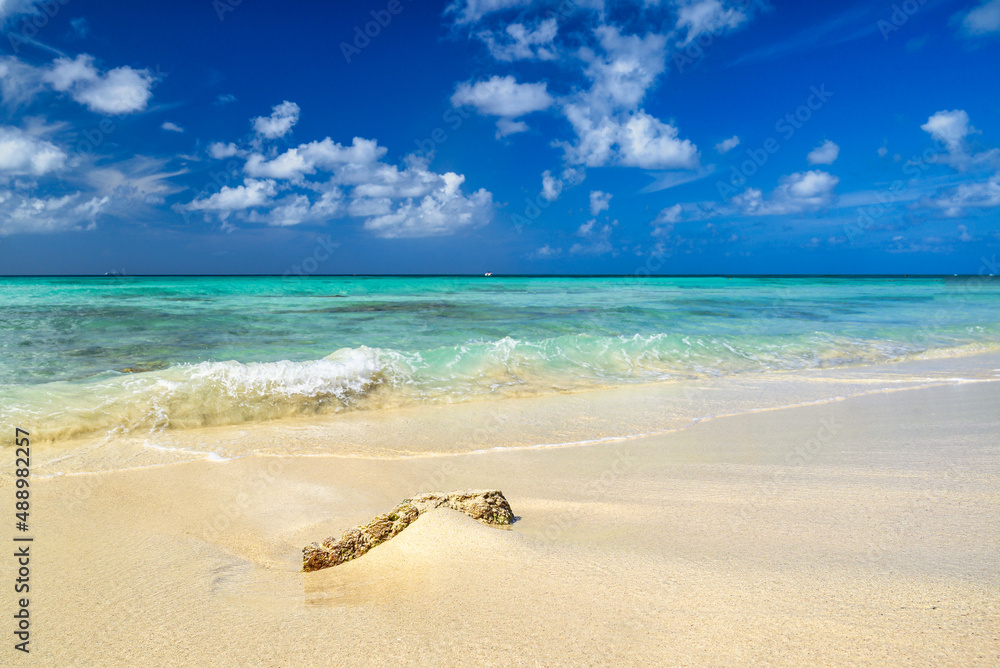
489,273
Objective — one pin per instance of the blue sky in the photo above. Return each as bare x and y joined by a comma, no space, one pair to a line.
514,136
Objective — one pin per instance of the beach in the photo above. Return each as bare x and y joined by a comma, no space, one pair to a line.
500,333
841,517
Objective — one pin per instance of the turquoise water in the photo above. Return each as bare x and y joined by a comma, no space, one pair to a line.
86,356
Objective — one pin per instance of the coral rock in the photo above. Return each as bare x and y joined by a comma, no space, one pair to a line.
486,505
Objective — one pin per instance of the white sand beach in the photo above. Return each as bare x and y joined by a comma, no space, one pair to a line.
858,530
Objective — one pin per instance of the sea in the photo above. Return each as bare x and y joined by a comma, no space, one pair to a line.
100,356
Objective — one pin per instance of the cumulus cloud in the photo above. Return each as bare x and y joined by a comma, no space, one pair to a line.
251,194
283,118
521,42
22,154
551,186
298,209
502,96
824,154
443,211
727,145
171,127
982,20
322,180
599,201
627,69
609,128
221,151
631,140
122,90
305,159
799,192
951,128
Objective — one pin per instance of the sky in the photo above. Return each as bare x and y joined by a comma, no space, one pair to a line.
507,136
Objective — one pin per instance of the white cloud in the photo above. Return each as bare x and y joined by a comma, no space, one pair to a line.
609,127
19,82
252,193
171,127
572,176
598,241
283,117
346,181
963,233
505,127
599,201
13,7
304,159
502,96
649,143
24,214
470,11
523,42
298,209
551,186
630,140
627,70
949,127
22,154
139,179
669,215
727,145
824,154
706,16
547,251
799,192
122,90
982,20
444,211
982,194
221,151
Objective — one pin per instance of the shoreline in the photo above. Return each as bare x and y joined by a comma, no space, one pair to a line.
558,420
855,530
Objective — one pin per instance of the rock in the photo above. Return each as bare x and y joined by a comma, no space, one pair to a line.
486,505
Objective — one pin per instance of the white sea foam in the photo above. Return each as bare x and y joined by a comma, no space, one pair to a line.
231,392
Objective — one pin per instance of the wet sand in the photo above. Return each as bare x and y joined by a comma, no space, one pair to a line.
863,530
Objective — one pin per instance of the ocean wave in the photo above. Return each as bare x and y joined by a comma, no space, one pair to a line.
230,392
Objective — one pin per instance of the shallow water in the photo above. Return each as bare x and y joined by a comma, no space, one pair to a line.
89,356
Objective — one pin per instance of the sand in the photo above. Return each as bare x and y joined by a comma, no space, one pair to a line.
860,528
